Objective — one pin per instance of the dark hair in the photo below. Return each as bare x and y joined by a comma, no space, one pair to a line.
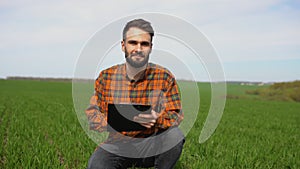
141,24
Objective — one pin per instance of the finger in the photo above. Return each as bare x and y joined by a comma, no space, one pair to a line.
154,114
143,120
146,116
147,125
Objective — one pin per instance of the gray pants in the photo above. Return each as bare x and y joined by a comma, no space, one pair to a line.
160,151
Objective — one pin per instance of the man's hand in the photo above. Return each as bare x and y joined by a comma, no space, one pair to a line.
146,120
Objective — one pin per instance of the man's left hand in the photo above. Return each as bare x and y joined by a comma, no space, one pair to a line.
147,120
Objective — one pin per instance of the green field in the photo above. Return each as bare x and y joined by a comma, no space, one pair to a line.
39,128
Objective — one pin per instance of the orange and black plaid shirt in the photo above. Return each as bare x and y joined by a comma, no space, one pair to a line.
157,88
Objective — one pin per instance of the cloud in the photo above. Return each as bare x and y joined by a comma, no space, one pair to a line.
240,30
269,34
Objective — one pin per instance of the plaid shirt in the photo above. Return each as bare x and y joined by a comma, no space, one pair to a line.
157,88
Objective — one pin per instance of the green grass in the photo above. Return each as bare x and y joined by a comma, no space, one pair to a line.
39,129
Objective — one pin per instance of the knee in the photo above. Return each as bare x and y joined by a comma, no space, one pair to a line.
173,135
100,159
95,159
173,138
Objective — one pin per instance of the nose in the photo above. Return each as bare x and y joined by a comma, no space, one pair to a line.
138,47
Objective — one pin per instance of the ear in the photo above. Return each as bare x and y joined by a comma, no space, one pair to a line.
151,47
123,45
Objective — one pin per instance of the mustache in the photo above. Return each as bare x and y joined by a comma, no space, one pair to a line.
138,54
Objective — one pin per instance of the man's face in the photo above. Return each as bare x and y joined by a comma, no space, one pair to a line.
137,47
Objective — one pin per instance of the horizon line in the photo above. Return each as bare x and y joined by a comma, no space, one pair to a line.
88,79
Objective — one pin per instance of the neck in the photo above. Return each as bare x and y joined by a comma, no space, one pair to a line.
135,73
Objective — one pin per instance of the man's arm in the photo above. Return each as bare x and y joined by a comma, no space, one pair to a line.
171,111
97,117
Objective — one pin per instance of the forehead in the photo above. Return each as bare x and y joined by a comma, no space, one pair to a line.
137,34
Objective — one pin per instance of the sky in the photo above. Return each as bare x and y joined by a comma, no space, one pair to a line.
255,40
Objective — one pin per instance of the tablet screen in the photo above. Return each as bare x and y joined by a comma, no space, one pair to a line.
120,116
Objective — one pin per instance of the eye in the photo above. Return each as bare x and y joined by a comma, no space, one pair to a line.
133,42
145,44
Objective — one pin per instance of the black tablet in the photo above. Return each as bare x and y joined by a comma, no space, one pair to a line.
120,116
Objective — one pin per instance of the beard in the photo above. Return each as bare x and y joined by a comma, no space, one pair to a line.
136,64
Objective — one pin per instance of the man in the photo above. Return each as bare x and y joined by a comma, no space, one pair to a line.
137,82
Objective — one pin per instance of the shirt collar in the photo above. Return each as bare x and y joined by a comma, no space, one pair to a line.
143,77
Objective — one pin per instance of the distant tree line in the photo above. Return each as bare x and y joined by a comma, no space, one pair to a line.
39,78
50,79
286,91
